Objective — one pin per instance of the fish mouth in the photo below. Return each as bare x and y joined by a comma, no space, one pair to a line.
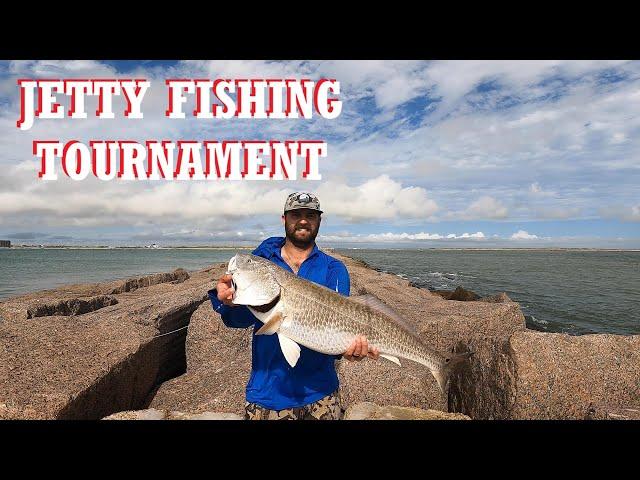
232,266
231,269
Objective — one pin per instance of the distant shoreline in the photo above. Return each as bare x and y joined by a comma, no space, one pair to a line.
501,249
103,247
227,247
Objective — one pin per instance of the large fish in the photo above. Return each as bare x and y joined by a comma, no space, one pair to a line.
305,313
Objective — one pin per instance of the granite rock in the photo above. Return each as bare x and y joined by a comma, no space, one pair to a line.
154,414
371,411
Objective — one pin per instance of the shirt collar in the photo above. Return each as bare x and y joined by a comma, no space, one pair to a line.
279,245
315,251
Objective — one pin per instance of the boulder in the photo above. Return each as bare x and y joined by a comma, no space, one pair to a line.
498,298
177,276
153,414
460,294
371,411
609,412
80,298
558,376
89,365
133,351
72,306
482,327
219,358
218,368
463,295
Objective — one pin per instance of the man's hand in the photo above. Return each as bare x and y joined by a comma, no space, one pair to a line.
359,349
225,290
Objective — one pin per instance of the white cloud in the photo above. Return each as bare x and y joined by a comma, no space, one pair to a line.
56,68
472,235
618,137
625,213
392,82
397,237
537,191
65,202
453,79
378,198
486,207
535,117
576,135
523,235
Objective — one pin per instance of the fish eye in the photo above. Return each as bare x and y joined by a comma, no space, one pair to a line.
447,360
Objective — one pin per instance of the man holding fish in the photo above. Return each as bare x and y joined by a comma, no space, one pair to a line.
276,389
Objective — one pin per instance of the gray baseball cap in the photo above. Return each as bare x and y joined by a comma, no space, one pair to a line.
299,200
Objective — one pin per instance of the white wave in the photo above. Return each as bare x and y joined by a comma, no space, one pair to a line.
540,321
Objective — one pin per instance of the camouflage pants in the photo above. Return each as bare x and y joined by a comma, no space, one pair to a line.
327,408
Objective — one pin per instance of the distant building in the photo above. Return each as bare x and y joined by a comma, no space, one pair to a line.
5,243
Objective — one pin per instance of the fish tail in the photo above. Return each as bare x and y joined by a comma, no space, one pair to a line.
452,360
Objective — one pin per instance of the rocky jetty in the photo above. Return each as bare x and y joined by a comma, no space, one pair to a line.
62,362
563,376
153,414
371,411
152,347
460,294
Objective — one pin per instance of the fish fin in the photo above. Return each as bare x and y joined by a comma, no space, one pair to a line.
290,349
391,358
453,359
271,324
375,303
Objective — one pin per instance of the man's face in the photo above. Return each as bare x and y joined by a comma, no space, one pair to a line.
301,226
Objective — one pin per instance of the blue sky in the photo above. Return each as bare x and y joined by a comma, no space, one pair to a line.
442,153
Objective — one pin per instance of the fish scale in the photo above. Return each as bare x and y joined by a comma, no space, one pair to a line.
325,321
330,326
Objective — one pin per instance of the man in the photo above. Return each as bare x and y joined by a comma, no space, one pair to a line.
275,389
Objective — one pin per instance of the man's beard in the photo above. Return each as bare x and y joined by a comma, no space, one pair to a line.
290,231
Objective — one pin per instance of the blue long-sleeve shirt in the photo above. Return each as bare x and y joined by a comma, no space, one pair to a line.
273,383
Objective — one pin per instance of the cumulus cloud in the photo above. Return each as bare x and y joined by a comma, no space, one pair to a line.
398,237
486,140
65,202
523,235
486,207
199,236
378,198
94,203
472,235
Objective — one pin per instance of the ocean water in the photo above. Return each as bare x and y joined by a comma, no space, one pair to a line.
28,270
569,291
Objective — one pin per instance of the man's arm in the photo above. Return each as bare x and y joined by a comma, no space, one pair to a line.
234,316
